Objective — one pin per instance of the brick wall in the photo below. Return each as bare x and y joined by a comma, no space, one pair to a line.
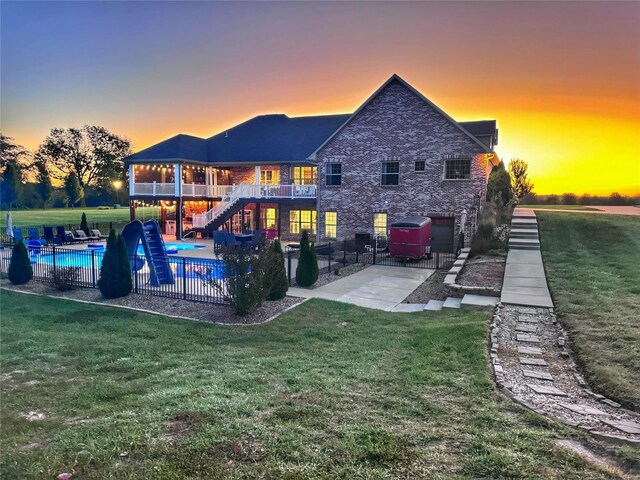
397,125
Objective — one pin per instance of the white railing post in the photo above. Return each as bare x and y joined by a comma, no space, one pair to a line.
292,192
153,189
132,180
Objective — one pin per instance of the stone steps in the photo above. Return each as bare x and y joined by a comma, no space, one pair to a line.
434,305
523,233
524,243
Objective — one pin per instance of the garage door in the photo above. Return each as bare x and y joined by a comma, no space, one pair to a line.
442,234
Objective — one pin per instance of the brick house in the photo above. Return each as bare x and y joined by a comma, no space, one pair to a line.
337,175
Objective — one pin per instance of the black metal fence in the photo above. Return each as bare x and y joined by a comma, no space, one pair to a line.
405,256
24,231
195,279
334,255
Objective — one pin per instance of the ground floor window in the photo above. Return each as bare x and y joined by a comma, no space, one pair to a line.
269,218
380,224
300,220
330,224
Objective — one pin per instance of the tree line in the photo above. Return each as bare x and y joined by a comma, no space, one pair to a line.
71,167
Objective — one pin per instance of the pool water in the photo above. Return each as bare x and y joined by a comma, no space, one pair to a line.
189,267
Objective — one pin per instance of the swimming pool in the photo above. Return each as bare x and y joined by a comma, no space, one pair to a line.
195,268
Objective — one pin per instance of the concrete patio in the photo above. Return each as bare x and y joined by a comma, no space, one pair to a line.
378,287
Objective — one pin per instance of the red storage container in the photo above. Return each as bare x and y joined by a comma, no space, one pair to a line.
410,237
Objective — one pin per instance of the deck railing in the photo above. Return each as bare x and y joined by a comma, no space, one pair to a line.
219,191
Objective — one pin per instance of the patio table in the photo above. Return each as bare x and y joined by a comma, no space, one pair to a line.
243,237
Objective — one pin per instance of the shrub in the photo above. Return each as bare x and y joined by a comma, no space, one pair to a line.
115,272
307,269
499,185
64,278
245,288
276,275
20,271
83,224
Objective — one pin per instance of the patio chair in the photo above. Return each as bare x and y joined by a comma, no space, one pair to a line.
230,239
49,237
34,235
97,233
17,234
84,237
219,240
69,237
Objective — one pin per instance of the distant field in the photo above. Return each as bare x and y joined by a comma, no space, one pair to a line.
64,216
559,207
592,268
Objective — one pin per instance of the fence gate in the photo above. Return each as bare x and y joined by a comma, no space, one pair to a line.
377,254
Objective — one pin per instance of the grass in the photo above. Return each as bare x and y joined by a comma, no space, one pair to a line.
65,216
559,207
592,264
326,391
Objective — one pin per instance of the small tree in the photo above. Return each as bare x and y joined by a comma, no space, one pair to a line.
519,180
115,272
73,189
244,285
276,275
307,269
20,270
499,185
84,226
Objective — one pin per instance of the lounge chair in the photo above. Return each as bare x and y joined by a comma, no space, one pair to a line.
63,236
83,237
97,233
69,237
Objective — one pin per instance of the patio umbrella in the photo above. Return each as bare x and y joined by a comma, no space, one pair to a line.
9,231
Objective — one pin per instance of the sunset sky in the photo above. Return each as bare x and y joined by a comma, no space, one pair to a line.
562,79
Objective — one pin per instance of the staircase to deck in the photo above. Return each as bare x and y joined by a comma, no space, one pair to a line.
241,194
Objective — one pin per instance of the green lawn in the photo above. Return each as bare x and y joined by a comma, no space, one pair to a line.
559,207
326,391
65,216
593,270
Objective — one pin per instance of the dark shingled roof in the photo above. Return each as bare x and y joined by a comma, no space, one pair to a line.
265,138
480,128
185,147
273,138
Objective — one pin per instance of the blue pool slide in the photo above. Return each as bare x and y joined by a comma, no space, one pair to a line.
154,250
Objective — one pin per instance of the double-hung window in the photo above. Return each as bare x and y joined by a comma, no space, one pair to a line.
333,174
457,169
380,224
300,220
419,166
331,224
390,173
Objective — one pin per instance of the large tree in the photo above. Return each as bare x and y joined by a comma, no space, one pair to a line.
73,189
92,153
10,184
43,185
519,179
12,152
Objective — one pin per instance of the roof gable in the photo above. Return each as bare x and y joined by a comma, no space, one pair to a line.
397,78
180,147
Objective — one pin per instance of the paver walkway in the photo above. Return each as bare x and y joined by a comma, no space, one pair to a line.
379,287
524,281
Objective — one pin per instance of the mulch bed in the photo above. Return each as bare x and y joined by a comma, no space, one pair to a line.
433,288
332,276
204,312
484,270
